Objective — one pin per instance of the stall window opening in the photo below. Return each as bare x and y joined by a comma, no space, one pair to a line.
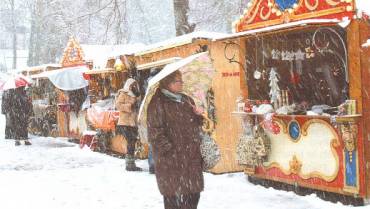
310,66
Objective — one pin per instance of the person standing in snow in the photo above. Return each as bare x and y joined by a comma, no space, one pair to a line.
127,104
22,111
6,104
174,125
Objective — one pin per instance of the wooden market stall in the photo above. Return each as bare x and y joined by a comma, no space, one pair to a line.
70,116
42,92
305,113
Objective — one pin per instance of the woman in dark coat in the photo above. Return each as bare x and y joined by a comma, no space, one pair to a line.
174,125
22,111
6,109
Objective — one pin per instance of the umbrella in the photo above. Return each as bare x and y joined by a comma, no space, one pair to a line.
197,73
15,81
67,79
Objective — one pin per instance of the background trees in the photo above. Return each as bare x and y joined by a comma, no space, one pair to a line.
47,24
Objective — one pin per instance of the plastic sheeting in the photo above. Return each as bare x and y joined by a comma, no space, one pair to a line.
102,119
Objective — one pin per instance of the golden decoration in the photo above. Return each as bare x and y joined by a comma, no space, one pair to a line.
255,12
295,165
310,6
332,2
282,123
73,54
349,134
267,16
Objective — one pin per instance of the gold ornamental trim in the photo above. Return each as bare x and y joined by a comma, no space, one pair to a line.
318,13
295,165
282,123
333,2
311,6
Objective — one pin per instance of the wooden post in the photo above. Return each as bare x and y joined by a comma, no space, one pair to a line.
364,33
359,78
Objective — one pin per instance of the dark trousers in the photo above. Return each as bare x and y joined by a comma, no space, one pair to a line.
188,201
130,133
9,129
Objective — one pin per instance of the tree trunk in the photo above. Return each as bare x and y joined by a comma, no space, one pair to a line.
35,35
181,8
14,31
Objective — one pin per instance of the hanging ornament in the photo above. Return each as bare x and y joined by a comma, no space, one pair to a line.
290,56
274,87
309,53
118,65
257,74
275,54
299,55
284,55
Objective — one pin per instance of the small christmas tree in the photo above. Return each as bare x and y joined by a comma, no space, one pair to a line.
274,87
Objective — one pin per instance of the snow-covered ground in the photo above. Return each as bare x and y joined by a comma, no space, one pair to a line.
53,173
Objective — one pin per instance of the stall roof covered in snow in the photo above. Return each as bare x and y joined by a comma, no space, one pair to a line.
30,70
158,63
99,54
179,41
279,27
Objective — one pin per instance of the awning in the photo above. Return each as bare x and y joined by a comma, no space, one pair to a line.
66,79
158,63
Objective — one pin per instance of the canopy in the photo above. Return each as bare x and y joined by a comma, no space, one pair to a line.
66,79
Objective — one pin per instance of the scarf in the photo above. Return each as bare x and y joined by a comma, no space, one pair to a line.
172,96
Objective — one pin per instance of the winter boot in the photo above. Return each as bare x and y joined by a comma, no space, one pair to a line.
130,164
17,143
26,142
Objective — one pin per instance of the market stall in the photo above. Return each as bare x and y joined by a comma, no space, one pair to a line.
101,114
71,88
42,92
305,107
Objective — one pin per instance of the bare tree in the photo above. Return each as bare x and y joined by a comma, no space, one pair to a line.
181,9
14,31
216,15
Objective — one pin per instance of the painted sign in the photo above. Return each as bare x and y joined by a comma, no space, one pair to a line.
263,13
